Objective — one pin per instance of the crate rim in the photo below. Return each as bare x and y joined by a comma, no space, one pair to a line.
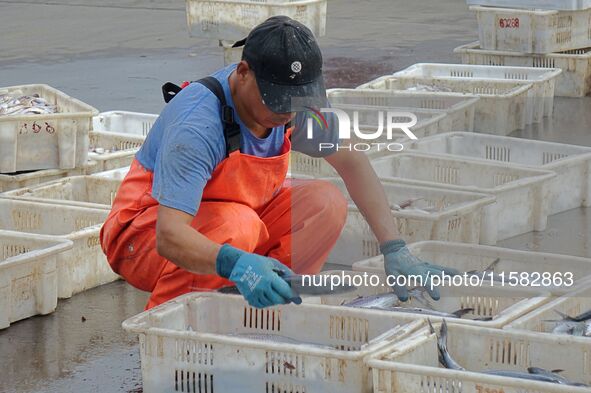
90,110
132,325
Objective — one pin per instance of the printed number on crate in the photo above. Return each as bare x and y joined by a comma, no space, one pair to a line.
509,23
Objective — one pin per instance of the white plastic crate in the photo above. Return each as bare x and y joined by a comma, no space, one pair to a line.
84,191
575,80
51,141
33,178
468,257
123,122
28,278
502,107
117,174
234,19
572,304
84,266
533,31
412,365
118,150
523,194
458,220
563,5
231,55
459,109
541,95
571,188
502,304
187,345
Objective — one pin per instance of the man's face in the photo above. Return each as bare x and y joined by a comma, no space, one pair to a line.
254,103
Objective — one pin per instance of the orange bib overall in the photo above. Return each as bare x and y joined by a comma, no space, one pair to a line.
247,203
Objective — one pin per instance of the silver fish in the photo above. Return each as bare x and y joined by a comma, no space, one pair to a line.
573,326
520,375
382,300
554,374
420,295
11,105
444,357
278,339
416,310
579,318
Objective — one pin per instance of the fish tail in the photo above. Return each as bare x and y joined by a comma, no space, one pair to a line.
431,328
565,316
493,265
460,313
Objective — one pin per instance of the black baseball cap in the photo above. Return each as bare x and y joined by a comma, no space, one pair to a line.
286,61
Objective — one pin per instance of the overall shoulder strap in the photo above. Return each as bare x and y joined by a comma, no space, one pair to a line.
231,128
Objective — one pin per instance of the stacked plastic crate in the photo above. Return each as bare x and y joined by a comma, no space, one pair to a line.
228,21
37,147
46,250
535,33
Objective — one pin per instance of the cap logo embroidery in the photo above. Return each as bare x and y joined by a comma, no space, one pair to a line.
296,66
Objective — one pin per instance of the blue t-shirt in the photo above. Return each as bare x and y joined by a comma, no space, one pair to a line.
186,144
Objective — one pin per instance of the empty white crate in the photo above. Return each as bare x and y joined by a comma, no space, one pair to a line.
28,276
84,266
190,344
541,95
571,188
502,107
111,150
48,141
33,178
458,220
571,304
503,304
574,81
523,193
533,31
460,110
84,191
535,4
468,257
234,19
123,122
412,365
117,174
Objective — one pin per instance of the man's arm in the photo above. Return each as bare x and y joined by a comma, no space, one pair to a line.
180,243
369,196
366,191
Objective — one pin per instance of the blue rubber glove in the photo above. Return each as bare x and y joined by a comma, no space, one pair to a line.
255,277
399,261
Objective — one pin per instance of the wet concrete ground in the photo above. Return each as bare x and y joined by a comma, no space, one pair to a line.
115,54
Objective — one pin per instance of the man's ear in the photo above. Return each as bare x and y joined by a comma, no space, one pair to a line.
242,70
